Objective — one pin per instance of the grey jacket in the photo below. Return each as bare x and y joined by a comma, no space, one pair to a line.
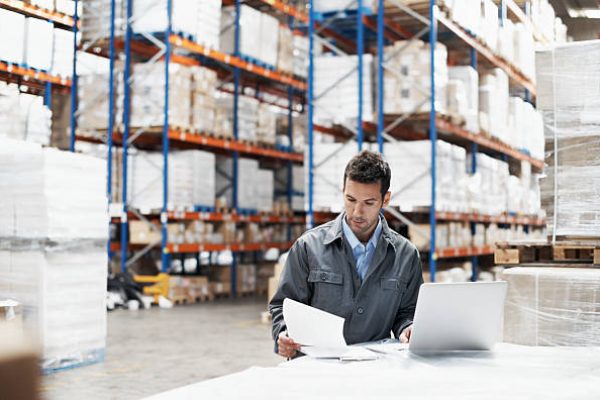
320,271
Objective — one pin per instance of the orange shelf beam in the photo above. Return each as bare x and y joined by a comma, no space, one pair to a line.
228,59
208,141
232,145
219,217
486,142
453,252
512,71
34,11
499,219
33,75
235,247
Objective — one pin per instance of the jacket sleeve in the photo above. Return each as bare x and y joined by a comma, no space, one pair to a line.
293,284
406,311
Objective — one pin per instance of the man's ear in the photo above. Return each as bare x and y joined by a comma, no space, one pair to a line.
386,199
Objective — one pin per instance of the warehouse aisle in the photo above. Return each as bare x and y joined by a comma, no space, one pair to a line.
150,351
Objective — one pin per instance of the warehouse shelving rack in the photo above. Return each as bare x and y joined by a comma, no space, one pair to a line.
40,82
160,46
389,28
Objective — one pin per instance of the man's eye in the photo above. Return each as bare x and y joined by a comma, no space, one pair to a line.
370,203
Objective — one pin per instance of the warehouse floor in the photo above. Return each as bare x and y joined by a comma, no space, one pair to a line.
151,351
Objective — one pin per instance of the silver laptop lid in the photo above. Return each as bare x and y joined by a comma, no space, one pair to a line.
457,316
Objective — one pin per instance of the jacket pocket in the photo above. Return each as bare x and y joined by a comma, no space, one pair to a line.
392,284
317,275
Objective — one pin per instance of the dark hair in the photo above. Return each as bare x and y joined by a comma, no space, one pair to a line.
369,167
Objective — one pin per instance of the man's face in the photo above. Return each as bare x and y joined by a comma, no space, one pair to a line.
362,202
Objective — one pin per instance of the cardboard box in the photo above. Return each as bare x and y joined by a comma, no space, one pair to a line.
140,233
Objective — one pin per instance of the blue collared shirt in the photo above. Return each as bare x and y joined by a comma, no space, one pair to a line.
363,254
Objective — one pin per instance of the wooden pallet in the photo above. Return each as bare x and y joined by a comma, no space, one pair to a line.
511,253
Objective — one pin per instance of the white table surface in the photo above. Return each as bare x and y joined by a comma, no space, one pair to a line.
508,372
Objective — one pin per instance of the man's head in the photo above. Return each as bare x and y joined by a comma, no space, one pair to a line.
366,190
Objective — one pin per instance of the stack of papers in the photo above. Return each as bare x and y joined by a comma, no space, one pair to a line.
321,334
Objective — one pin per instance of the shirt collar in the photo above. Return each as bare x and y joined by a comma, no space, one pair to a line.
353,240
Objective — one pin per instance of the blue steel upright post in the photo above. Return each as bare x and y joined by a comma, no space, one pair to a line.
474,150
234,177
380,75
165,141
111,111
290,165
310,217
74,78
359,54
126,106
48,95
433,140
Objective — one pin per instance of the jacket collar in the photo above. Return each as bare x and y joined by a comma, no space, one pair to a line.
336,231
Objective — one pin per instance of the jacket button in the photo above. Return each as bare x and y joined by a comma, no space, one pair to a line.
360,310
323,276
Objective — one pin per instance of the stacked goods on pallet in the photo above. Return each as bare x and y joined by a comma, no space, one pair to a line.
301,55
322,6
459,234
465,80
23,116
493,104
259,35
62,55
148,95
552,306
92,95
407,88
337,103
53,248
39,41
198,19
267,124
191,179
255,186
274,280
298,182
247,116
543,18
525,127
524,50
285,51
569,99
12,31
204,85
299,131
95,19
328,179
413,191
189,288
220,279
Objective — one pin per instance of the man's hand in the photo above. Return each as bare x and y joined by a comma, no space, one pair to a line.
287,346
405,335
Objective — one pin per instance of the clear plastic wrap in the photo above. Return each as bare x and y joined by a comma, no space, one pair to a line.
569,99
62,287
48,193
552,306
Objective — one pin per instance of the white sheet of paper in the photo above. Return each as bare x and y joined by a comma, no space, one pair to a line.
320,333
312,327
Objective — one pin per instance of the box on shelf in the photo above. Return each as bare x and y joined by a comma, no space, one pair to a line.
39,42
470,80
12,31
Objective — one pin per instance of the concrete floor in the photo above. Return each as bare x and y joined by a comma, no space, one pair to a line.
151,351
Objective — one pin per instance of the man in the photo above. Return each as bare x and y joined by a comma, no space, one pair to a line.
355,266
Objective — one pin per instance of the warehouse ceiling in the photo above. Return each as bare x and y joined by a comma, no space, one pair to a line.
576,8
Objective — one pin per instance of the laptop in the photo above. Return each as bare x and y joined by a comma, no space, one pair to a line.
457,316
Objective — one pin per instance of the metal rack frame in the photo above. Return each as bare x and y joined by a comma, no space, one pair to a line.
161,48
385,132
